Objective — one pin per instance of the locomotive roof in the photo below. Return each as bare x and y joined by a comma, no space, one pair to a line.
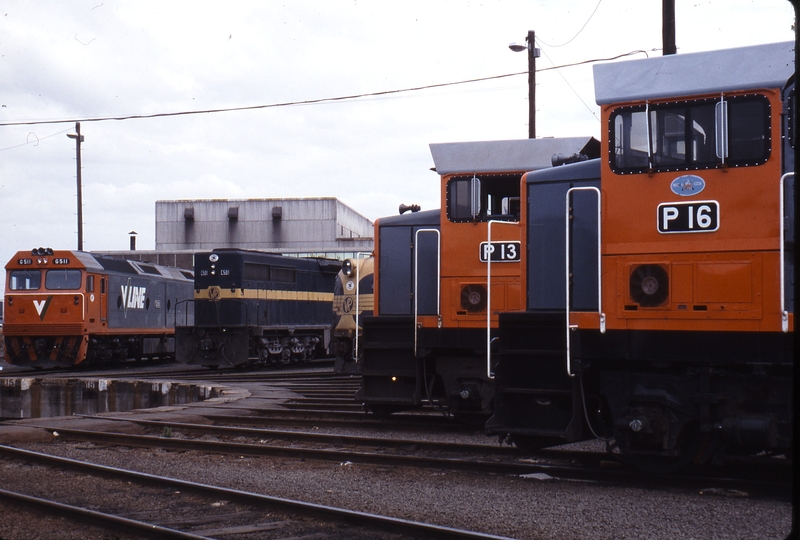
520,155
742,68
425,217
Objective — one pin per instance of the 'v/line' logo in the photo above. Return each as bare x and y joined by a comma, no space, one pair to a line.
41,306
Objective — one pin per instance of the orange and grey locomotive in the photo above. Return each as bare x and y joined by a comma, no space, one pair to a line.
67,308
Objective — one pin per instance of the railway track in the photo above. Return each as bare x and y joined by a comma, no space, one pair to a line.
293,514
312,428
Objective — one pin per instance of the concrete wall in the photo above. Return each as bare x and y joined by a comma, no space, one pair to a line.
281,225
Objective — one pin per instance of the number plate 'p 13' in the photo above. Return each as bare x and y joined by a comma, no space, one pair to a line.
500,251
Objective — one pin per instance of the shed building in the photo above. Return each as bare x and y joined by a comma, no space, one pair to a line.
318,226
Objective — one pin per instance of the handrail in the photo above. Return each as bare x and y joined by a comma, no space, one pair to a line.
489,373
361,255
599,266
438,280
784,313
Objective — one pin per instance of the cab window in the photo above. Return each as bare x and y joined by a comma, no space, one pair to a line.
696,134
25,280
488,197
67,279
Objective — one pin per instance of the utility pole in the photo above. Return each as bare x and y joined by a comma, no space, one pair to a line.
78,140
668,27
533,53
531,84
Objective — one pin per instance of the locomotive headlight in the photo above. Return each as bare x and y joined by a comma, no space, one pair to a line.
348,268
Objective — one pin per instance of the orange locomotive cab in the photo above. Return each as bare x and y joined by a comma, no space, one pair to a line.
49,307
695,354
57,311
677,336
441,278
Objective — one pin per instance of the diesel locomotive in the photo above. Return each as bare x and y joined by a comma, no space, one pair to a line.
659,278
353,299
258,308
435,318
67,308
638,290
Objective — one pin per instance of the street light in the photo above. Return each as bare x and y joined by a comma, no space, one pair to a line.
533,54
78,140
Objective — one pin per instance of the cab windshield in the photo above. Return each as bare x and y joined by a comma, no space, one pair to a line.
62,280
25,280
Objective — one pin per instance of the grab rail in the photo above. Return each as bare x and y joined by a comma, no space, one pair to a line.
489,373
416,280
599,266
784,313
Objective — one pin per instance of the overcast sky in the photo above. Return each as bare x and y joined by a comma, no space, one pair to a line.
83,60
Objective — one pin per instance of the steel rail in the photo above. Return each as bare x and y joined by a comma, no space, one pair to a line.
362,519
117,522
328,438
370,458
567,466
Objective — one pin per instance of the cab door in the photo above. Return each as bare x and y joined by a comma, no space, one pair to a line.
103,300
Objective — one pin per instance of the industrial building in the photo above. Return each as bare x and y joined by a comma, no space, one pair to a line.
323,227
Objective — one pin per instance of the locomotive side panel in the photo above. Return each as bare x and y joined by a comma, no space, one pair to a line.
688,352
63,317
257,307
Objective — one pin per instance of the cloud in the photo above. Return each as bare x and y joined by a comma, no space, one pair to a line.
88,59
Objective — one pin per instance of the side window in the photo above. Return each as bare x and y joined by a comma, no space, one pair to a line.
490,197
697,134
748,130
630,139
463,199
90,283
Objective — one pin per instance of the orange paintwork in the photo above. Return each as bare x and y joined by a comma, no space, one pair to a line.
726,280
461,265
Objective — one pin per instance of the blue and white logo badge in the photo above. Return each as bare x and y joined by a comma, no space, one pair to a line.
687,185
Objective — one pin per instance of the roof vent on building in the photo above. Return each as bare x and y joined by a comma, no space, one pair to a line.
277,212
233,213
188,214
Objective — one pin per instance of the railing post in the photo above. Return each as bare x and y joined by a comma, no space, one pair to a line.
599,266
416,279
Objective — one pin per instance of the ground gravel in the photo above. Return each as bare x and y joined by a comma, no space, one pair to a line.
502,505
506,505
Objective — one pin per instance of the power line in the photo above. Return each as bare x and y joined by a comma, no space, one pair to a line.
295,103
579,31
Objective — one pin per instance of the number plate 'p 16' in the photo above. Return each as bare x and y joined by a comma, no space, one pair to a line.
696,216
500,251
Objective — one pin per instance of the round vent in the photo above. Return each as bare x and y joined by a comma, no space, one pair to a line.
473,298
649,285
